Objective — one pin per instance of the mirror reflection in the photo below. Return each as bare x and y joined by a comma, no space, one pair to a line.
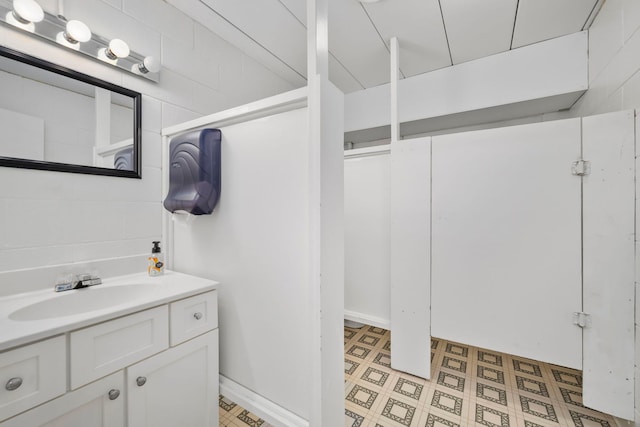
57,119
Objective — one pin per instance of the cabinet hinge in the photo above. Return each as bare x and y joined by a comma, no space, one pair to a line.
582,319
581,167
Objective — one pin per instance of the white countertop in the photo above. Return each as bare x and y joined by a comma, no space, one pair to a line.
166,288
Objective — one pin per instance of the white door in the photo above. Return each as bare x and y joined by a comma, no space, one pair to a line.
178,387
608,191
410,255
506,240
99,404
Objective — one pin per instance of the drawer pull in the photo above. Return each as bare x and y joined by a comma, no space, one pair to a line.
114,394
13,384
141,381
197,315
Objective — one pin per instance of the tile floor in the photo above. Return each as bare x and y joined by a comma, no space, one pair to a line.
233,415
469,387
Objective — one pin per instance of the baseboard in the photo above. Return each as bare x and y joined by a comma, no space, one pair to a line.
264,408
378,322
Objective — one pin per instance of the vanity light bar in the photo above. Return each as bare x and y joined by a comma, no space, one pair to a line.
77,36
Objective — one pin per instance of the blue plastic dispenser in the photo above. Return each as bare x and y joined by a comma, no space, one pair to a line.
194,172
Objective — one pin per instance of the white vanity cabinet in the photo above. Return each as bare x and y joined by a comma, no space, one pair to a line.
153,368
31,375
178,387
99,404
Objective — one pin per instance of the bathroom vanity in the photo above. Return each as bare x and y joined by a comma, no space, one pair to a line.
134,351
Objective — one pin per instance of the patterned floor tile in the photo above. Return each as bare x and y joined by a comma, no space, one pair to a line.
582,420
436,421
350,366
399,411
491,417
469,386
454,364
490,374
538,408
451,381
532,386
383,359
491,358
457,349
375,376
491,394
408,388
359,351
352,419
447,402
362,396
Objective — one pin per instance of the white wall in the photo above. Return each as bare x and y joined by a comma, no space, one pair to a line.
366,202
51,218
614,85
257,244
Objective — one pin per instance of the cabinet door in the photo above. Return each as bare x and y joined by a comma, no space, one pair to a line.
99,404
178,387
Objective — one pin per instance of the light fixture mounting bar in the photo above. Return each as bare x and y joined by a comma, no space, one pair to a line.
52,25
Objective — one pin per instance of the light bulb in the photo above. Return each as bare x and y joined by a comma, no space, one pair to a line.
24,14
117,49
75,32
151,64
26,11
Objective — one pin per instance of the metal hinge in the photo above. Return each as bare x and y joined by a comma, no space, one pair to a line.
582,319
581,167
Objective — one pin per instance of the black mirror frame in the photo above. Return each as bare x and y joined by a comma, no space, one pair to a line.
68,167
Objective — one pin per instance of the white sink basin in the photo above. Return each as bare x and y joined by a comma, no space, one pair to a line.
70,303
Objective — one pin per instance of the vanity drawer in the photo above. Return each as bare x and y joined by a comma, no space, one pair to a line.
31,375
99,350
193,316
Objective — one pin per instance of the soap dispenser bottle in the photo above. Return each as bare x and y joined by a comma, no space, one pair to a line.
156,261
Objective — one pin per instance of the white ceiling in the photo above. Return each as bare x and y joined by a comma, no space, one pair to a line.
432,33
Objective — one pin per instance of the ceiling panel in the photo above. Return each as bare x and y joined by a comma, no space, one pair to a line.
340,77
478,28
418,26
298,8
545,19
354,41
269,24
338,74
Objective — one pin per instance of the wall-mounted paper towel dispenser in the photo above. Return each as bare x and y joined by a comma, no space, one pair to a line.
194,172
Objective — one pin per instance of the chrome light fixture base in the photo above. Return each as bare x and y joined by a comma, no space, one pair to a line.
53,29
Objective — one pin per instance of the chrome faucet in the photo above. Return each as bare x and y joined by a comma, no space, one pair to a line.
77,281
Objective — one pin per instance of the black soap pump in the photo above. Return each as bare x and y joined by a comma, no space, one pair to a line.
156,261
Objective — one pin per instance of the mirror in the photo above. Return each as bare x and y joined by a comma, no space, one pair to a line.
54,118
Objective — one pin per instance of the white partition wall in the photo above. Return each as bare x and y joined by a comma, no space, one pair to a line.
411,256
506,240
257,243
608,191
366,239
